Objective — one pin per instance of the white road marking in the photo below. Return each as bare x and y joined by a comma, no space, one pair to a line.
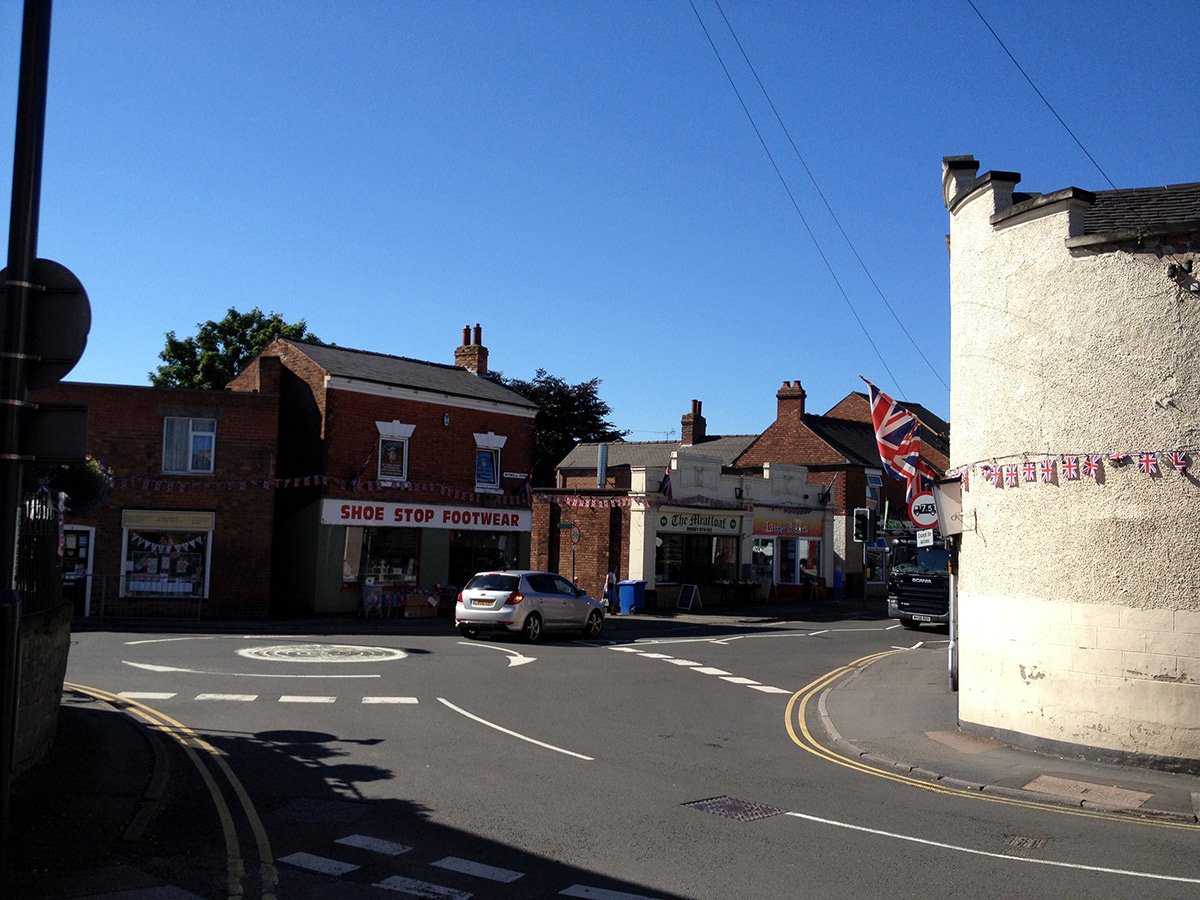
389,700
321,864
306,698
709,670
241,698
147,695
414,888
682,662
472,716
592,893
374,844
515,658
767,689
656,656
477,869
153,668
625,649
992,855
737,679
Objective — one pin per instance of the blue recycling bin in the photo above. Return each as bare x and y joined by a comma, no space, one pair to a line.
632,595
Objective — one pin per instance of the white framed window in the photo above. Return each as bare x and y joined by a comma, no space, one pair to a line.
394,437
487,461
189,445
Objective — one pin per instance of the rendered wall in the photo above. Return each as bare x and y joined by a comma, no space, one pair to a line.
1079,600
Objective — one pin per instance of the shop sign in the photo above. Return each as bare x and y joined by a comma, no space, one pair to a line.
168,519
423,515
699,522
780,524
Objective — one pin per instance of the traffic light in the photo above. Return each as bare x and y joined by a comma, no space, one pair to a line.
864,525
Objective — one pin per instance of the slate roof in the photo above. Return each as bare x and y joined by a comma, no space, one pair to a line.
854,440
380,368
1133,208
656,453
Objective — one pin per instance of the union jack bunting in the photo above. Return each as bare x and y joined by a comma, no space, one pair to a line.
1148,463
1029,471
1070,467
1179,460
1091,465
966,480
1010,476
1118,459
1047,466
992,474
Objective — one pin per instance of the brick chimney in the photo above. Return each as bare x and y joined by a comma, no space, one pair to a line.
693,427
791,400
472,355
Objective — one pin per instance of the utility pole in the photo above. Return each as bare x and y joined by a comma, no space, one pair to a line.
19,282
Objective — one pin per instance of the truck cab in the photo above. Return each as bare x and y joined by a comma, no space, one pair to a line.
918,581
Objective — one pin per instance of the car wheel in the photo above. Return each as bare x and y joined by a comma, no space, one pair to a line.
468,631
594,626
911,624
532,629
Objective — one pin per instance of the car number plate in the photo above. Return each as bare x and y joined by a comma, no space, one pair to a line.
484,604
922,618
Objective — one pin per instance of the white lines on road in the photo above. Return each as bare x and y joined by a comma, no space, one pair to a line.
389,699
147,695
517,735
322,864
705,670
477,869
1006,857
374,844
250,698
238,698
301,698
414,888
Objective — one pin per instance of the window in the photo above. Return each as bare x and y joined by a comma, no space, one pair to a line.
381,556
393,451
189,445
487,461
166,553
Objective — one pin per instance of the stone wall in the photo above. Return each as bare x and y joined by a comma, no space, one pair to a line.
45,641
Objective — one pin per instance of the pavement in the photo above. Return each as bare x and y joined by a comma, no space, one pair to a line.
84,823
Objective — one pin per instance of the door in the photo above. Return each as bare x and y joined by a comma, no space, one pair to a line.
78,541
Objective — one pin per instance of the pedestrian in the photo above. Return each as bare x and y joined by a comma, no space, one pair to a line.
839,582
610,593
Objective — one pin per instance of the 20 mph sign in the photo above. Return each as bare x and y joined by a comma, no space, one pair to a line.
923,511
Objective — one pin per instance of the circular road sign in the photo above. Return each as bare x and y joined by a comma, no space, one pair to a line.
923,511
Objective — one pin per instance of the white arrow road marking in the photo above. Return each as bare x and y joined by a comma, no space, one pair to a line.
153,668
991,855
502,730
514,659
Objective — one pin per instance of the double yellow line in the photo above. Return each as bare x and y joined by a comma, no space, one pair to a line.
206,758
796,722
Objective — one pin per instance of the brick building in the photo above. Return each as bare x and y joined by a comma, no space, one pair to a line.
410,475
187,528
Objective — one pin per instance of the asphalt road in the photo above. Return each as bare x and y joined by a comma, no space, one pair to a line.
659,761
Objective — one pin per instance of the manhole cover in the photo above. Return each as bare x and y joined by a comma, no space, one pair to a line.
321,653
732,808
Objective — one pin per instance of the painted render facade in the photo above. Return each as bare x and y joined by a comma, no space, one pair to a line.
1076,337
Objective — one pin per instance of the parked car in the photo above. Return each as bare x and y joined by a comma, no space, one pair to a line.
526,602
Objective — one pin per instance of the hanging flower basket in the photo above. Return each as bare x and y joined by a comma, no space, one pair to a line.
87,484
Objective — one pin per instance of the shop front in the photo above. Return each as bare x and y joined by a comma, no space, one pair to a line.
786,551
409,559
700,547
166,553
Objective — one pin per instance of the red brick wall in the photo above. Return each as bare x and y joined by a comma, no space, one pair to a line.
603,543
789,440
125,431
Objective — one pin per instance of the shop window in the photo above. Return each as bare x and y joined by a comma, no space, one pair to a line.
162,562
189,445
788,561
487,461
762,558
381,556
481,551
668,558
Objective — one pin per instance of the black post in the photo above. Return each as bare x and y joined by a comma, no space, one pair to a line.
22,251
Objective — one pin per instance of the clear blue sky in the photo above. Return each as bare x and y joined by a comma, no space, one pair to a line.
579,177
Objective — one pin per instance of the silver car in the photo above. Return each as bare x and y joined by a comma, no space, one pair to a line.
526,602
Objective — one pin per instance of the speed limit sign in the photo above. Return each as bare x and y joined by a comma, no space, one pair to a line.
574,535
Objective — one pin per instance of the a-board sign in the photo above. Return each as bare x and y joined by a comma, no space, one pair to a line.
689,596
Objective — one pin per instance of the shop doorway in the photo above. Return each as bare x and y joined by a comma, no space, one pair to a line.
78,551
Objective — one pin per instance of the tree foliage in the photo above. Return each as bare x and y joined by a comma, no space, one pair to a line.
567,415
218,351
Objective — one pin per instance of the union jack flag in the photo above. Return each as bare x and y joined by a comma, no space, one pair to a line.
1047,470
1118,459
966,479
898,441
1029,471
1010,475
1070,467
1148,462
992,474
1179,459
1091,466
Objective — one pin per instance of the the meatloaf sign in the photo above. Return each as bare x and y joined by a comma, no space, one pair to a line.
422,515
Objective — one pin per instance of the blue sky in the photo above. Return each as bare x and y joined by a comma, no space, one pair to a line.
578,177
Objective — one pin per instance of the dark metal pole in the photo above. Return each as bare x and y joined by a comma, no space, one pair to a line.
22,251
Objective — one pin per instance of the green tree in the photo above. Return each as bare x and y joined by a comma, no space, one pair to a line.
219,350
568,414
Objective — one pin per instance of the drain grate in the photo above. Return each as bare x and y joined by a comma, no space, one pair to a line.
733,808
1019,842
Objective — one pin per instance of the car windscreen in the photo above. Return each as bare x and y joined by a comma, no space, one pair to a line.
493,582
910,559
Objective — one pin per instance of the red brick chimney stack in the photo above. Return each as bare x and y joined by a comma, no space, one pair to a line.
693,426
472,355
791,400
